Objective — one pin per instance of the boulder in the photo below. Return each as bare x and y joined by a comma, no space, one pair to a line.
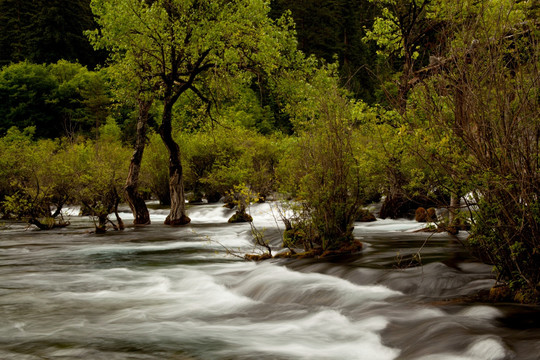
420,215
365,216
240,217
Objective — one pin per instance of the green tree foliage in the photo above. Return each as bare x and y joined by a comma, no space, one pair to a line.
15,150
82,97
224,158
321,168
40,177
155,170
406,32
215,162
334,29
27,94
176,44
484,101
15,29
58,99
46,31
100,188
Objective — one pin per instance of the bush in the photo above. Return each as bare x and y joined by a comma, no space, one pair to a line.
154,176
321,171
218,161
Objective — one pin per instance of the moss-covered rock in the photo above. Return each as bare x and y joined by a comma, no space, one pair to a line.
352,247
240,217
365,216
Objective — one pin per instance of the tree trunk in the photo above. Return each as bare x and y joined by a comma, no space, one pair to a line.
134,199
404,85
454,209
177,216
118,218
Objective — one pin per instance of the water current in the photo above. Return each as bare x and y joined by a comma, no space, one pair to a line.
158,292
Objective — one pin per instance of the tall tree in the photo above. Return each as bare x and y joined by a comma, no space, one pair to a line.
46,31
178,45
483,98
402,32
15,26
27,93
334,29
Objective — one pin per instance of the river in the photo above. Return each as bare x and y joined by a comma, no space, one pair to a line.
160,292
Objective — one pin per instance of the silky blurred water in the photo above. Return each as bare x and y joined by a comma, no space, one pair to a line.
159,292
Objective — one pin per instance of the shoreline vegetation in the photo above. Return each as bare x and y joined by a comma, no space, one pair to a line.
424,104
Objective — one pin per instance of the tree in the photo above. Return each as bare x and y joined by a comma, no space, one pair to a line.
402,32
320,167
27,92
46,31
82,99
102,166
484,100
180,44
58,99
334,29
15,27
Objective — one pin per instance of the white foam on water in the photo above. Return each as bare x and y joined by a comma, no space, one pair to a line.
196,305
482,349
71,210
487,349
264,215
423,314
389,225
230,237
277,284
324,335
216,310
5,355
481,312
171,292
209,214
157,218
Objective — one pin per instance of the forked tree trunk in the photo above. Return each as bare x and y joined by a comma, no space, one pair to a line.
177,216
134,199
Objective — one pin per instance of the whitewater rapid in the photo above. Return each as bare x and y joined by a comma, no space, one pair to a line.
159,292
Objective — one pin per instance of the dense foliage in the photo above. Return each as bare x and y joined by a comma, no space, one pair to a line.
329,104
46,31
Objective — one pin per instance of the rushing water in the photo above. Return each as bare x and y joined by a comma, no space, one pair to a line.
158,292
